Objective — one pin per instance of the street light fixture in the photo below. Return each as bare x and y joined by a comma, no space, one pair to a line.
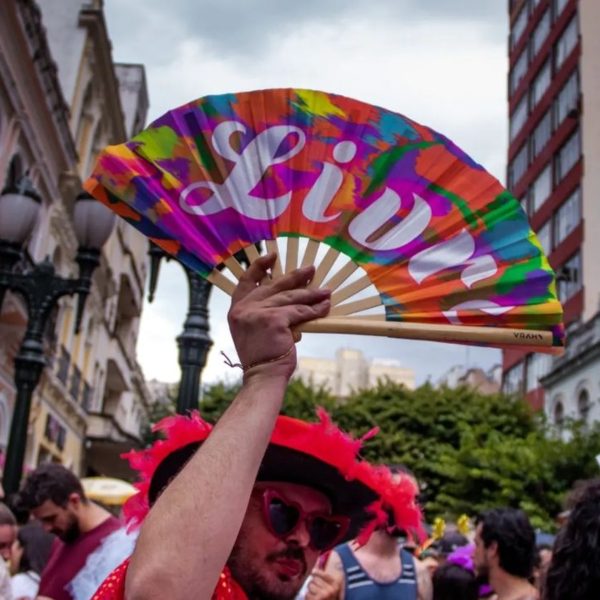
41,289
194,341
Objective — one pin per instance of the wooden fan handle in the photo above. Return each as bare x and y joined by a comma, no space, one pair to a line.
493,336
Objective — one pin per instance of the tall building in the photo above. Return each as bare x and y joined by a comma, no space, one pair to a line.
62,99
351,371
554,143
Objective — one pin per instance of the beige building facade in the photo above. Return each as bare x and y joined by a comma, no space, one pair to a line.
62,99
350,371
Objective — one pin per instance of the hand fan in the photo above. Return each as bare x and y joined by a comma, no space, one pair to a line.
447,251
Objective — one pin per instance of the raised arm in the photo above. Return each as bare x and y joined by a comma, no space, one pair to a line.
189,533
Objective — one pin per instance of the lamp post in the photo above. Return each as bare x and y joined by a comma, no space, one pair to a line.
40,288
194,341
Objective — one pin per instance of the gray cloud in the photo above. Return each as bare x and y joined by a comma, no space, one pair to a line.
246,28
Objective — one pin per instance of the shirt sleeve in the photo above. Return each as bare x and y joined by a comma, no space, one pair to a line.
113,587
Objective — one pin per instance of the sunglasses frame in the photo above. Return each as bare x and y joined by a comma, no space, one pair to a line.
307,518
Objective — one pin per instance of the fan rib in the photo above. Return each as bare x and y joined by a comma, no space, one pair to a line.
291,256
356,306
325,266
310,253
341,276
219,280
251,253
354,288
496,336
234,266
273,247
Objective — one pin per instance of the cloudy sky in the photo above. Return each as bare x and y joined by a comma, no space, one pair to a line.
440,62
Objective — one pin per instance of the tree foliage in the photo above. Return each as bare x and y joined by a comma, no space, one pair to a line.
469,452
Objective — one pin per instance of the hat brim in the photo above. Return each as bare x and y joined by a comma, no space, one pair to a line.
348,497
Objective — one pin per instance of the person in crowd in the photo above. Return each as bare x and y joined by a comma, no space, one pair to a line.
90,541
504,553
29,555
8,534
244,509
381,568
574,570
454,582
543,556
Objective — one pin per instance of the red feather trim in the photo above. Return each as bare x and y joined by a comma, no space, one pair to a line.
321,440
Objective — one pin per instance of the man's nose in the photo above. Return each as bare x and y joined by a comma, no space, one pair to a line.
300,535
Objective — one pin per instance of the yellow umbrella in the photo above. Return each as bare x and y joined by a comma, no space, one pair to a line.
107,490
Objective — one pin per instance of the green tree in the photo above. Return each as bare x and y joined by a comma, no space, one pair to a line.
470,452
300,400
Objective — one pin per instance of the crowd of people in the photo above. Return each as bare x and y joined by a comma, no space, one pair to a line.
263,506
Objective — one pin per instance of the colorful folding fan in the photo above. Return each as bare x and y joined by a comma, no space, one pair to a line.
448,251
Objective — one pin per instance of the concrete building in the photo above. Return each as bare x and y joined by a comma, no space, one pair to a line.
351,371
61,101
572,388
554,144
474,377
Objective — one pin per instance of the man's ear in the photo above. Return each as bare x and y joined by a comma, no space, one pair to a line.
74,500
492,550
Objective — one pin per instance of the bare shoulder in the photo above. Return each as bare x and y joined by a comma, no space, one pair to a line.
334,563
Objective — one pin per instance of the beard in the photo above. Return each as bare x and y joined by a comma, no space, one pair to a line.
71,533
482,574
257,584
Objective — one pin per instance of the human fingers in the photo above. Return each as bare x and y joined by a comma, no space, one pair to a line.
297,279
301,313
320,576
298,296
254,274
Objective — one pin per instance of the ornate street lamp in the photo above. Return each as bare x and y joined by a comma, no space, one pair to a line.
41,288
194,341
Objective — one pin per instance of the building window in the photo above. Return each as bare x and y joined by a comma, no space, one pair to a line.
55,432
518,166
558,6
519,26
524,201
568,156
566,43
533,4
538,365
569,278
87,396
567,100
75,383
544,235
559,415
63,365
541,135
513,380
518,118
518,72
567,217
540,190
540,34
583,405
540,84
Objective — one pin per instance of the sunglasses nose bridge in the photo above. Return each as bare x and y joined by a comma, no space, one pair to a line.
300,534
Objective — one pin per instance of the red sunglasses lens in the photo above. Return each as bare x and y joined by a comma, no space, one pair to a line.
283,517
326,532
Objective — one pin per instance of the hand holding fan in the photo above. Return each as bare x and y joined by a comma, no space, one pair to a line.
447,249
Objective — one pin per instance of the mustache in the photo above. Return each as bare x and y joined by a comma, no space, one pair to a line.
290,553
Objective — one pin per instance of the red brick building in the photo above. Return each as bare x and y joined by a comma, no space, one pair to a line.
554,142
